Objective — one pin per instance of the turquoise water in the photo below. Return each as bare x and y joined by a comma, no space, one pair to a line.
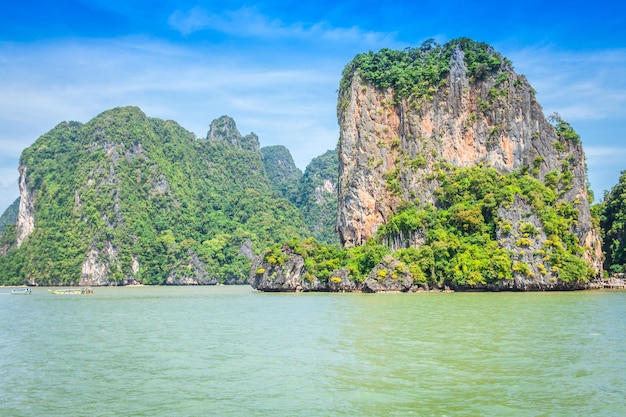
231,351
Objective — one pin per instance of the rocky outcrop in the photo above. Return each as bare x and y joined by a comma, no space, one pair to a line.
388,276
285,276
342,282
26,212
290,274
391,145
126,198
225,129
97,267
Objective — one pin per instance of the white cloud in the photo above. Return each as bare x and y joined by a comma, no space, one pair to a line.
9,190
249,22
580,85
606,154
605,165
284,102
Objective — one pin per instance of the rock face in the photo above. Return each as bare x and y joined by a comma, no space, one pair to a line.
390,145
291,274
225,129
287,276
386,278
26,212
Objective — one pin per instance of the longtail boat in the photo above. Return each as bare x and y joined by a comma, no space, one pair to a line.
72,291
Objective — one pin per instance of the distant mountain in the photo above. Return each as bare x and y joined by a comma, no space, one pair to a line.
283,173
9,217
314,193
317,197
125,198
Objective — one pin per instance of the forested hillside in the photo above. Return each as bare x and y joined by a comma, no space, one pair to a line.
126,198
317,197
612,217
9,216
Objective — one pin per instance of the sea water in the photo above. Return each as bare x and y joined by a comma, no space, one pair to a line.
232,351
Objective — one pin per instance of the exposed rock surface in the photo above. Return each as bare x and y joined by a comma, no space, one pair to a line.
287,276
466,121
225,129
388,277
342,282
26,212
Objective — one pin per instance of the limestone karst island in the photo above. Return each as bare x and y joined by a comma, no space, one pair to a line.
447,174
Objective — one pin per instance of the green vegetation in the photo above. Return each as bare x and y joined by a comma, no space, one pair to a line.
282,171
419,72
461,246
317,197
145,192
9,216
564,130
612,218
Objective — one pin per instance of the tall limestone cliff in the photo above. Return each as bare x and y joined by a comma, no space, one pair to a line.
411,120
125,198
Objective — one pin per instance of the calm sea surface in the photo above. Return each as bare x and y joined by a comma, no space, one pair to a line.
231,351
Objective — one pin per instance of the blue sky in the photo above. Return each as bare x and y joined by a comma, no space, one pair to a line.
274,66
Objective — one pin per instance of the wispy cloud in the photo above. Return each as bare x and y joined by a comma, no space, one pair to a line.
249,22
602,153
587,88
606,163
580,85
280,101
8,187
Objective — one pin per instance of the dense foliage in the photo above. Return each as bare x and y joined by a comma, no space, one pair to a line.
419,72
317,197
282,172
612,213
9,216
145,193
461,246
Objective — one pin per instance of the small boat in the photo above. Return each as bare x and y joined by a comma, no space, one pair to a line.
72,291
21,291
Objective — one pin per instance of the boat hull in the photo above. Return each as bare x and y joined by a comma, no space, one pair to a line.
73,291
